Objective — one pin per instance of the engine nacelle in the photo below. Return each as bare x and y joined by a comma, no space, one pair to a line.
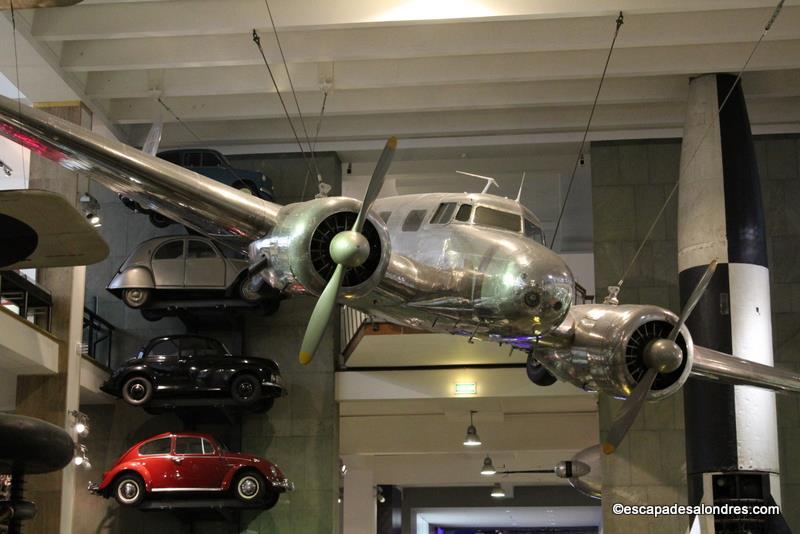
298,253
599,347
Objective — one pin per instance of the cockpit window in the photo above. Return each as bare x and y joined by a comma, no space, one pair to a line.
443,213
464,213
497,219
414,220
533,231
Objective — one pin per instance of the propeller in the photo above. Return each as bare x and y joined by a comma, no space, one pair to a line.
348,249
660,356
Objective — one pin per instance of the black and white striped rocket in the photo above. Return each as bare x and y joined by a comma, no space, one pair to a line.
731,431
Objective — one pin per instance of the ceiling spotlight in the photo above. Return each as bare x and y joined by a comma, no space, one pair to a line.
488,468
498,492
81,423
472,439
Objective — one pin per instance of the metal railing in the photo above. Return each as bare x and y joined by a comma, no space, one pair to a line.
24,297
98,337
351,321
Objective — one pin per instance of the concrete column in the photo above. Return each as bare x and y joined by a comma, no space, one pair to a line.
53,397
630,182
360,508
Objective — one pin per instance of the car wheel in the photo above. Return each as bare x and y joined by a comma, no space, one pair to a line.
137,390
249,486
270,499
247,293
129,489
135,297
159,221
246,389
538,374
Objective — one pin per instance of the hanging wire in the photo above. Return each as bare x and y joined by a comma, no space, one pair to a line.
579,157
291,86
257,41
25,177
180,121
314,145
711,123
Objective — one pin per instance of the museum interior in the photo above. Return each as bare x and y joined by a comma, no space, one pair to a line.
399,266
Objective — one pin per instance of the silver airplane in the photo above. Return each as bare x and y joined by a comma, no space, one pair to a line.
469,264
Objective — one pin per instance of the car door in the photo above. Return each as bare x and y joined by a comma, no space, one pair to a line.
162,360
198,464
168,264
156,455
204,265
193,362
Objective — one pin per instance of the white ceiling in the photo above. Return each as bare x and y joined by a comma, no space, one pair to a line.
412,68
494,87
556,516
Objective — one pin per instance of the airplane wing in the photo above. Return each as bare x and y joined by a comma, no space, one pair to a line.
207,206
712,365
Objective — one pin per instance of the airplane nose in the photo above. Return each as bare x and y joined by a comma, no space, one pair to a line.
548,289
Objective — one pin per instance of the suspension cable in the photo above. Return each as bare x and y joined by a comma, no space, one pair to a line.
579,157
291,86
257,41
177,118
711,123
314,145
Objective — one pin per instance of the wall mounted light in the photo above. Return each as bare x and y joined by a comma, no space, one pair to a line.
379,494
90,208
498,492
81,457
80,423
488,468
472,439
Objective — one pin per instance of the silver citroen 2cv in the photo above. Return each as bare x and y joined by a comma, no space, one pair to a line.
181,267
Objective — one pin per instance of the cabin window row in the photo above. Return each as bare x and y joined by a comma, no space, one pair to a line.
446,212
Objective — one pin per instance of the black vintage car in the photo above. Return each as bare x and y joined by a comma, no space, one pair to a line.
181,367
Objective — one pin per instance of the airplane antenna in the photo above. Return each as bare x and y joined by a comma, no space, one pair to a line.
522,183
489,180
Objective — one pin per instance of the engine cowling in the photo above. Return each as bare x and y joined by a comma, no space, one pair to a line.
600,347
298,252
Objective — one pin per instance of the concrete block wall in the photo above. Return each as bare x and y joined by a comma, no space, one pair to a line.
300,432
630,181
779,167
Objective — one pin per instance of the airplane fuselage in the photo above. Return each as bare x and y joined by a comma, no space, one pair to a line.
469,264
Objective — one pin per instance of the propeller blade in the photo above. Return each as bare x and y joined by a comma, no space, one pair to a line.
320,316
376,182
694,298
627,415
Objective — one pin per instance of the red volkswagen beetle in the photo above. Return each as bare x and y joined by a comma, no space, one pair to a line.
191,462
